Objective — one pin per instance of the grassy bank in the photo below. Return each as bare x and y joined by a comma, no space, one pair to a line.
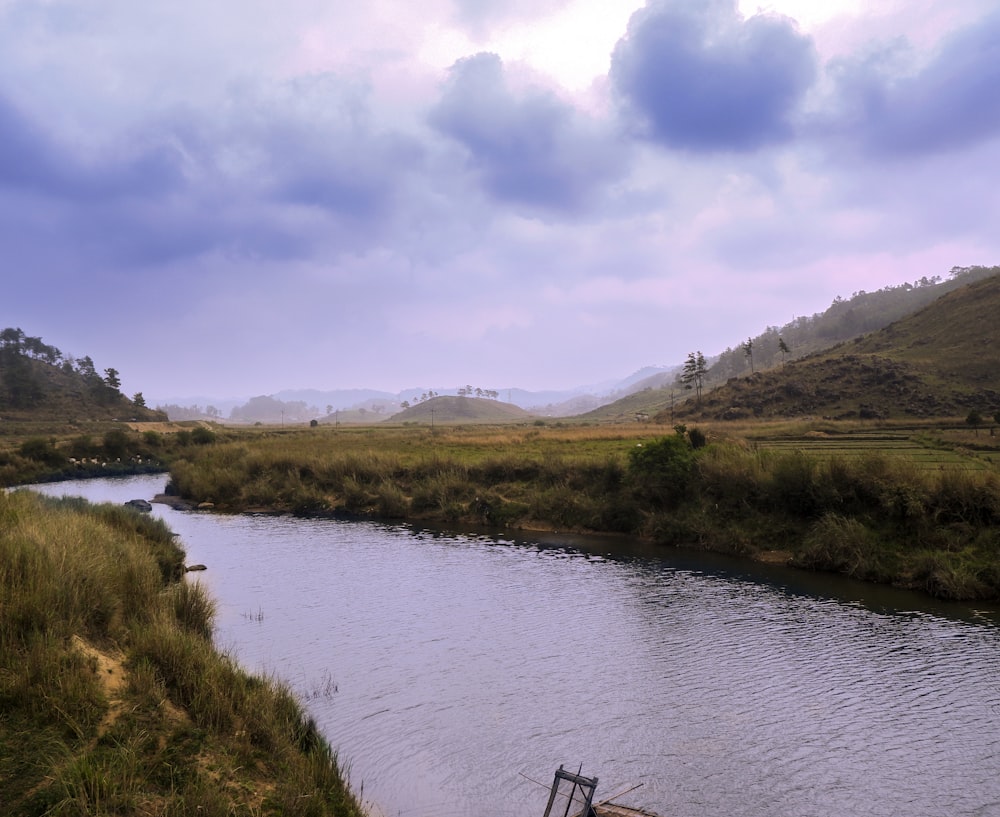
881,513
113,699
49,451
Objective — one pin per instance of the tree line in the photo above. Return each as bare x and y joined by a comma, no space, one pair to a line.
21,386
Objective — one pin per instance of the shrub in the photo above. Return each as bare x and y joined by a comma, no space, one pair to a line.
961,497
949,576
793,487
83,446
41,450
841,544
391,502
663,470
202,436
152,438
116,443
697,438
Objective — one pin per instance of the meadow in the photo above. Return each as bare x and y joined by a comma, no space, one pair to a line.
914,506
113,699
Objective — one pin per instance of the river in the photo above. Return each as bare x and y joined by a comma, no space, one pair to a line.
449,670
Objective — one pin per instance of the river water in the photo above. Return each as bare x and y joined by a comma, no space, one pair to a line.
448,669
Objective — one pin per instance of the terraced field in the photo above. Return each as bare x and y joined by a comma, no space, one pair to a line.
922,452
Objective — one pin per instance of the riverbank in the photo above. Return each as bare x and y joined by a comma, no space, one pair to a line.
114,699
874,515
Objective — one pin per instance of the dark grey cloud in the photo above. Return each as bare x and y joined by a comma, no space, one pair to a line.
30,159
527,147
353,175
952,101
694,74
280,172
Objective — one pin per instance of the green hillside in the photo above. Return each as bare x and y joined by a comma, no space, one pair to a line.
943,360
38,384
845,319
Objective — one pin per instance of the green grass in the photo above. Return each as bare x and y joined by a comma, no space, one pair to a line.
928,507
113,699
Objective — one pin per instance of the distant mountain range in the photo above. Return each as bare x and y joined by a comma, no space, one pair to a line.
366,405
643,393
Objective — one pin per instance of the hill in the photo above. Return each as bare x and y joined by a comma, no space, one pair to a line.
943,360
448,410
37,383
845,319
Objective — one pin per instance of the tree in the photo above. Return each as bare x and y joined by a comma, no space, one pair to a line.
748,352
329,409
783,348
19,385
11,338
85,368
111,379
687,373
694,371
974,419
139,400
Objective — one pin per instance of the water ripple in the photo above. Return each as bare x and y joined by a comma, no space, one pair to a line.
462,662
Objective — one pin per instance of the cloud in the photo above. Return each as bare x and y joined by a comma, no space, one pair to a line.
349,194
480,16
888,107
32,160
526,146
696,75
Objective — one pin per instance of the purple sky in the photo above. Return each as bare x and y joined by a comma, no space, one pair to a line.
240,197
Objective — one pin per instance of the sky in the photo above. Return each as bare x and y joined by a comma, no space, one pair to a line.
241,197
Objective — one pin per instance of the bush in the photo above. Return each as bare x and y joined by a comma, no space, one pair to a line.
41,450
663,470
152,438
202,436
842,544
793,487
116,443
697,438
83,447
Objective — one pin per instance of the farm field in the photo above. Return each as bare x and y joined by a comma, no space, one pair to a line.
923,451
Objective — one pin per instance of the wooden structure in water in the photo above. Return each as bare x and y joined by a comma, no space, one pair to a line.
578,793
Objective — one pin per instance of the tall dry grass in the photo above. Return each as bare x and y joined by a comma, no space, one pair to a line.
84,588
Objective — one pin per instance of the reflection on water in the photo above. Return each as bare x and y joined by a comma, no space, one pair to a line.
448,668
